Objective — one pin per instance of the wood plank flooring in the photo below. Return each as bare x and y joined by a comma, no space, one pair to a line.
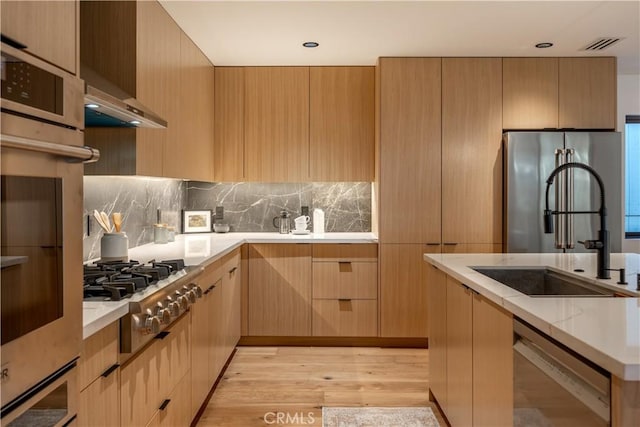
298,381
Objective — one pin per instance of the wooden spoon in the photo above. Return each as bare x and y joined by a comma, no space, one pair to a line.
117,221
99,220
107,222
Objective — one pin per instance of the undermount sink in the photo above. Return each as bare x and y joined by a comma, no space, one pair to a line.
541,282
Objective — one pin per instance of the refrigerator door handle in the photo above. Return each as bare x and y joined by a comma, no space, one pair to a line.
560,201
569,242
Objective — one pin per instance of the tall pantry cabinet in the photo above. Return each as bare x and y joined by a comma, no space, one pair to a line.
439,176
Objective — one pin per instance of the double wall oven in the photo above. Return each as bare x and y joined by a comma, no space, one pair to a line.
41,240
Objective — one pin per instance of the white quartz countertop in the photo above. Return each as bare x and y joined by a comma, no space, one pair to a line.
199,249
604,330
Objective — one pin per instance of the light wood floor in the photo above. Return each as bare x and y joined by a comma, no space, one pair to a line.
300,380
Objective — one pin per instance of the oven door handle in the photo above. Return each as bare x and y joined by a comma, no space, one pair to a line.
73,153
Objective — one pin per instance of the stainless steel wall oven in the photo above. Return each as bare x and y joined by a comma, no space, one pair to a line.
41,239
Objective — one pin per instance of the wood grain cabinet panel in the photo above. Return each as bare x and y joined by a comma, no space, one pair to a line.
99,353
139,381
437,297
279,299
189,152
471,150
345,318
357,280
228,156
410,150
403,291
276,124
49,29
492,364
587,93
99,403
360,252
341,134
530,93
177,411
459,354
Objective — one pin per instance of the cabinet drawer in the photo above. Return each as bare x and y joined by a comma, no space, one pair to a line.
356,280
99,353
345,318
100,402
345,252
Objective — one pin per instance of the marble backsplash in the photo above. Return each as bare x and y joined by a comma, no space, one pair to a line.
138,199
251,206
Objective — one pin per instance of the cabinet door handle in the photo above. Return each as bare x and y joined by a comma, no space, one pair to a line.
12,42
344,299
162,335
233,270
344,262
165,404
110,370
449,244
433,244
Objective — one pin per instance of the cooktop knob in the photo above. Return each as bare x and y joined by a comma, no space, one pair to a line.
191,296
174,309
197,290
152,325
183,302
165,316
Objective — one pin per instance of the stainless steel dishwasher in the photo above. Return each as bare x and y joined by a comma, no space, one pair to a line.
554,386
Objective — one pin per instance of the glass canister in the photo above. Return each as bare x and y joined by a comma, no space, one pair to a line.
160,233
171,234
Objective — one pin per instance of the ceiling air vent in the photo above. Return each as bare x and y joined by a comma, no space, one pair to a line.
602,43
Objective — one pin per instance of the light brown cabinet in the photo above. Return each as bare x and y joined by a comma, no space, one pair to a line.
587,93
189,152
48,29
345,290
530,93
578,93
137,46
98,377
409,150
149,379
471,355
403,291
279,290
341,120
471,150
293,124
276,124
231,296
228,156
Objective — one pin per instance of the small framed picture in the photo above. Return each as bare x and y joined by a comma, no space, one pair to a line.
196,221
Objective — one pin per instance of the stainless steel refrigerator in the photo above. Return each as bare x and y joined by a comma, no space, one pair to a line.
529,158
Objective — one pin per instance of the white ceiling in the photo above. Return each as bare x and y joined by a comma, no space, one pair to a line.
358,32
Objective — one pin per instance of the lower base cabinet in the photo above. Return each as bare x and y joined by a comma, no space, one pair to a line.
176,410
471,355
345,318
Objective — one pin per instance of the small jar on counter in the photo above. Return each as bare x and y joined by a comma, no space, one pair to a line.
160,233
171,234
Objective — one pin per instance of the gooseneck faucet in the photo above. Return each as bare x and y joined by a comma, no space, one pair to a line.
602,243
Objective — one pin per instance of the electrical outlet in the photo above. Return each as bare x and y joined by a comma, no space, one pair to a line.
219,212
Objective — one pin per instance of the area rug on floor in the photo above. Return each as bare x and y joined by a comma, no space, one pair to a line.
378,417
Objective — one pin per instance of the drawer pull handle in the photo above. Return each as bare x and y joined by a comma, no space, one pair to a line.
165,404
344,299
109,371
450,244
434,244
344,262
13,43
233,270
162,335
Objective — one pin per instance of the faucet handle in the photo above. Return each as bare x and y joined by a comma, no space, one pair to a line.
623,279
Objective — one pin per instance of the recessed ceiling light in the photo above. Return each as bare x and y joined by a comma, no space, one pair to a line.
310,44
135,122
94,106
544,45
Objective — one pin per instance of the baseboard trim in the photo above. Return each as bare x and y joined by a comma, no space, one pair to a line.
335,342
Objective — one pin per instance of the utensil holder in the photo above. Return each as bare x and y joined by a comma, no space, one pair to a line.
114,247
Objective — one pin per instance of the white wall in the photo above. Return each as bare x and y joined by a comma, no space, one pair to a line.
628,103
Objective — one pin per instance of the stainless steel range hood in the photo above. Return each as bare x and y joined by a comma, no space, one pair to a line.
106,105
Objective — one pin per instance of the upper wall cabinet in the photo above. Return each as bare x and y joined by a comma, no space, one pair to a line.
530,93
228,148
276,124
471,150
138,47
578,93
587,93
48,29
292,124
341,132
